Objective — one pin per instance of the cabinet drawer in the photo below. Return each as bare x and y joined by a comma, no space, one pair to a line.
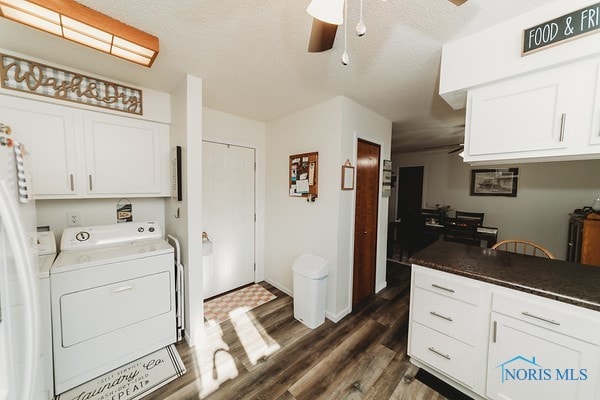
447,285
555,316
449,316
447,355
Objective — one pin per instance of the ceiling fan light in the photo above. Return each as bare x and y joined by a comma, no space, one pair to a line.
330,11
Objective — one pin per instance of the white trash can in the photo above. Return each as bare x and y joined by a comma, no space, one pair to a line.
310,289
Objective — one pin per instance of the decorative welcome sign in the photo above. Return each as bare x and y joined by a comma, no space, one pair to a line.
566,27
43,80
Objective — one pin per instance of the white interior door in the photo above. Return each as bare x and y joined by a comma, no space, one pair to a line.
228,215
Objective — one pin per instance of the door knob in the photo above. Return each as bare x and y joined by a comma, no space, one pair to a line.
365,232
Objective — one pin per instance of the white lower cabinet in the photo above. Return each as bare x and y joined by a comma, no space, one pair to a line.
542,349
517,346
79,153
527,361
448,329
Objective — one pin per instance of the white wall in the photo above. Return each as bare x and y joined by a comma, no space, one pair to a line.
546,194
495,53
96,212
186,131
221,127
325,227
294,226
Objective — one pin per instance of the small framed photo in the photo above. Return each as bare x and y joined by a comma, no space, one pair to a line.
494,182
347,177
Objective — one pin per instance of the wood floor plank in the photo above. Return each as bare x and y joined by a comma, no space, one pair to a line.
322,377
268,355
361,377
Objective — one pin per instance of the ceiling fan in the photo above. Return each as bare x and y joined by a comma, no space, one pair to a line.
327,16
456,147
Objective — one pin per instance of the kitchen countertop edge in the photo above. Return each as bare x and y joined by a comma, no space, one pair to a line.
565,282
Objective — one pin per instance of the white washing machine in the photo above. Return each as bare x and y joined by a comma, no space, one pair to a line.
113,299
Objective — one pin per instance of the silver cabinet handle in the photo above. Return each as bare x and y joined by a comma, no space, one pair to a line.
446,356
551,321
72,182
122,289
440,316
495,332
443,288
563,121
90,179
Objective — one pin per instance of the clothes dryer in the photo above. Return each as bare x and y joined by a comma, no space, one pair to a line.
113,299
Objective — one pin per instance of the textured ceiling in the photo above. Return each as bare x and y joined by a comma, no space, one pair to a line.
252,58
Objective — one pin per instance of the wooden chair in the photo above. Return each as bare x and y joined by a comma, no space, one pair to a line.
471,215
523,247
461,231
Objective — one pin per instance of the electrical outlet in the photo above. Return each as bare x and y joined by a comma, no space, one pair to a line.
74,218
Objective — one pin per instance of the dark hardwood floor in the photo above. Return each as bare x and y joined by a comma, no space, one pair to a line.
267,354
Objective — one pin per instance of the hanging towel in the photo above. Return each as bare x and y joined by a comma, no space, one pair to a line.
23,177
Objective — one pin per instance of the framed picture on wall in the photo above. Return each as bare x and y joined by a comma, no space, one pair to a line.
494,182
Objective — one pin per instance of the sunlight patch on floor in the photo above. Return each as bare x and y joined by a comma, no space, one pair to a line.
215,364
257,343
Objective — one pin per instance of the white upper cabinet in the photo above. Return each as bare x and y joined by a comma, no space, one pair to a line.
84,154
123,155
48,133
542,116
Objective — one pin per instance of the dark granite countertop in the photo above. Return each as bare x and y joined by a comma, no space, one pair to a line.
558,280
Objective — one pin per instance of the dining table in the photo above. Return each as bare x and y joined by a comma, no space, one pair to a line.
488,234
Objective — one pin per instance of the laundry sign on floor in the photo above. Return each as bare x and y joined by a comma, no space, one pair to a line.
131,381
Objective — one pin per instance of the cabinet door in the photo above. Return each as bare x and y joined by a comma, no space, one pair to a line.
523,114
123,155
47,130
595,131
530,362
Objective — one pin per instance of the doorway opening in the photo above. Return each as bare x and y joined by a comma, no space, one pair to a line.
406,234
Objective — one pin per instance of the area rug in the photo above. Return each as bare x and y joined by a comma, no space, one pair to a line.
131,381
247,298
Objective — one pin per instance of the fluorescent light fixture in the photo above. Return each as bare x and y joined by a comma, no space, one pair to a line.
75,22
330,11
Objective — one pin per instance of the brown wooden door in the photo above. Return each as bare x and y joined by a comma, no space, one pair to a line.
365,220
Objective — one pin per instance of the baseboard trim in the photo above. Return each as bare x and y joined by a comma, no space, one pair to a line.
381,287
279,286
335,318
